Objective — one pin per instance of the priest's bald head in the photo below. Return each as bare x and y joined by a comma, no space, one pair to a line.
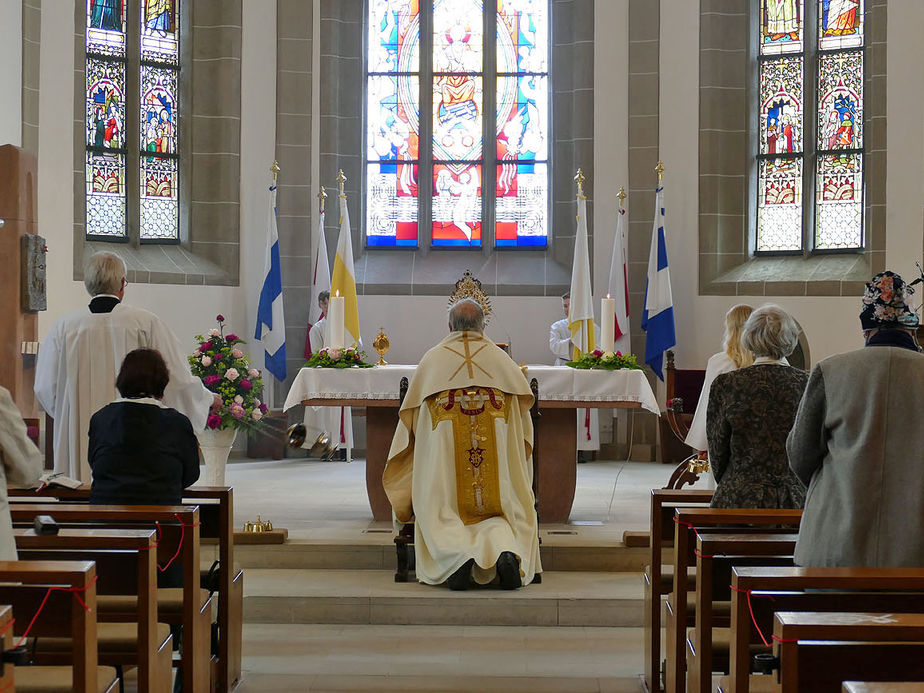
105,275
466,315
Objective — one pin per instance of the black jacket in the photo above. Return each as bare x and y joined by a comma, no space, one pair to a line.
141,454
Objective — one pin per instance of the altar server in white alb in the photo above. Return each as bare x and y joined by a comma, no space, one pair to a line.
461,462
588,420
80,358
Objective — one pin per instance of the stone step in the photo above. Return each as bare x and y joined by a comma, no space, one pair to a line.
372,597
379,555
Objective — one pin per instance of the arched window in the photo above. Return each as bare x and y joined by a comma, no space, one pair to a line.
811,130
132,95
437,170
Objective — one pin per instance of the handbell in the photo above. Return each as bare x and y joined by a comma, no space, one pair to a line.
296,434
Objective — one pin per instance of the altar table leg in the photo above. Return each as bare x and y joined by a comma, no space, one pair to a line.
556,441
380,429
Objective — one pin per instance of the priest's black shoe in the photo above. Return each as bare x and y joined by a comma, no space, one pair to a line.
460,579
508,570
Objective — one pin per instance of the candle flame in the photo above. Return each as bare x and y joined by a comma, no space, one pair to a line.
607,295
337,294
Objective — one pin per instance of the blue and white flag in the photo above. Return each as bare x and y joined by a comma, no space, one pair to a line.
658,312
271,327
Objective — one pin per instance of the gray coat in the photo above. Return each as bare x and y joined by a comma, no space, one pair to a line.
858,444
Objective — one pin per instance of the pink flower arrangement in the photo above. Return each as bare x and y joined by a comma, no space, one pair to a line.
221,363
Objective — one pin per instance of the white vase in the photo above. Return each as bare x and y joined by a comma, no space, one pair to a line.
215,446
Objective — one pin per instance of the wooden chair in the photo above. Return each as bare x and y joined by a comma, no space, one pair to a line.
179,531
881,590
62,613
817,650
216,515
126,572
683,388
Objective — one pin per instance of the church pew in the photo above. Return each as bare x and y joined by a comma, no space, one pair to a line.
716,554
688,522
659,580
6,624
174,523
896,590
216,514
62,613
818,650
125,565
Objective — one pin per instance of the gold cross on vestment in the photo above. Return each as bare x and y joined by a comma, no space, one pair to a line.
468,358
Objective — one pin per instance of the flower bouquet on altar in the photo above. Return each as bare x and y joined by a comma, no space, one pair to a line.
224,370
597,360
349,357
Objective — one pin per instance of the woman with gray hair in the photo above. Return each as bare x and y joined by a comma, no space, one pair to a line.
750,413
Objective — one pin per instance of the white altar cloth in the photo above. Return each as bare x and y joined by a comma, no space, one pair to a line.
556,383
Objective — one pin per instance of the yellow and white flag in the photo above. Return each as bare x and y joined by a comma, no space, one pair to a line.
581,313
343,281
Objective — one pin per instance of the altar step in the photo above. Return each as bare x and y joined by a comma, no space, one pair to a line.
380,555
332,596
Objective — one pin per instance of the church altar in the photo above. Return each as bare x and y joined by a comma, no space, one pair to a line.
562,390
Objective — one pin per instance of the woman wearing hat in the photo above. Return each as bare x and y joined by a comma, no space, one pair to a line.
858,443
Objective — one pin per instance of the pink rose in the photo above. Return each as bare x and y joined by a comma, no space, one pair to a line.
253,373
231,337
256,402
219,356
238,399
210,380
237,411
246,384
206,361
213,422
214,332
220,318
232,374
237,353
257,415
335,354
263,407
619,353
597,352
206,346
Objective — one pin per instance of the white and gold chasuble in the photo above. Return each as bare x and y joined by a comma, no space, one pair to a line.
460,463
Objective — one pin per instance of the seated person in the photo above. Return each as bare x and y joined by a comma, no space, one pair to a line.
461,461
750,413
141,452
857,441
21,465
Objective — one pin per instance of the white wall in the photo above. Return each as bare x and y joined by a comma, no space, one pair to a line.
11,72
189,310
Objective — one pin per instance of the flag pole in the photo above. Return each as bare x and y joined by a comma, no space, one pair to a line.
341,179
322,198
622,197
579,179
660,169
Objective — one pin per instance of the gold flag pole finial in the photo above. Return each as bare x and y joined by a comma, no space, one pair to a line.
341,179
322,196
622,196
275,169
579,179
660,169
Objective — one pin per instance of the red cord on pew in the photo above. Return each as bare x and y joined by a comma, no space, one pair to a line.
75,590
179,547
773,638
693,529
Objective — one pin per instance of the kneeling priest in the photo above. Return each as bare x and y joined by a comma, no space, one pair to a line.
460,463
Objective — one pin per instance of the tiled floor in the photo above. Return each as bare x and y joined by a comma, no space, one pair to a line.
325,502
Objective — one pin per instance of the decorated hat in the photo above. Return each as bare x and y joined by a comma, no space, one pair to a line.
884,303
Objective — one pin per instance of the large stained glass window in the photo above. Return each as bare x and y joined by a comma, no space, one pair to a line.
123,138
810,155
479,171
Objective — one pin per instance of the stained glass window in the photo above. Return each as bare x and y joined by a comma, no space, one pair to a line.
461,138
110,119
815,147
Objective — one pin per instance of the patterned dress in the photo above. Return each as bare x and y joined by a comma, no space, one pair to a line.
751,411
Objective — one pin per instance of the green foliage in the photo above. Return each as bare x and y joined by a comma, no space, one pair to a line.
595,360
351,357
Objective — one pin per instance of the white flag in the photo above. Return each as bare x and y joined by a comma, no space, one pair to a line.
581,313
320,274
618,284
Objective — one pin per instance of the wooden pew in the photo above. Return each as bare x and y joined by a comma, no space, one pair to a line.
7,641
216,514
893,590
687,523
125,565
715,556
817,650
658,580
175,523
62,613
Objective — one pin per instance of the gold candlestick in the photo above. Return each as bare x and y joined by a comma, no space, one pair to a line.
381,344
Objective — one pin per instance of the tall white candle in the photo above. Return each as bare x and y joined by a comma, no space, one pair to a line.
607,325
335,321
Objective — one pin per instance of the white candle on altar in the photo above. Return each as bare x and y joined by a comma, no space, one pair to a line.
335,321
607,325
